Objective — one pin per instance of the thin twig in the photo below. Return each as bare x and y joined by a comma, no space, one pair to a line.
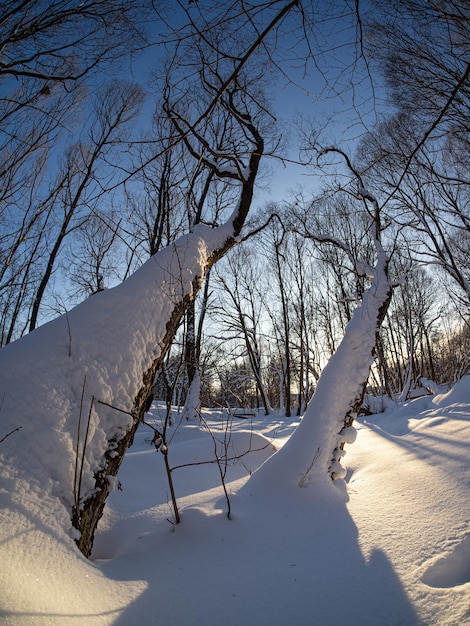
160,443
229,458
303,480
69,331
10,433
115,408
75,495
84,447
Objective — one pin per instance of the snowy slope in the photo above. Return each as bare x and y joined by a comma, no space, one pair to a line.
389,546
410,497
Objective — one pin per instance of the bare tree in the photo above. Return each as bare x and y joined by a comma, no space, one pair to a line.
51,51
276,249
115,107
419,156
429,200
92,256
239,313
63,41
327,423
408,334
304,322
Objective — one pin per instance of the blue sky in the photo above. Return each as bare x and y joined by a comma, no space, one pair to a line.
331,91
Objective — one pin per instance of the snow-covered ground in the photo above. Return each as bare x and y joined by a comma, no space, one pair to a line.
391,545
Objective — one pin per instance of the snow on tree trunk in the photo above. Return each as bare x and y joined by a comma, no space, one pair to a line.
314,450
409,372
78,386
192,406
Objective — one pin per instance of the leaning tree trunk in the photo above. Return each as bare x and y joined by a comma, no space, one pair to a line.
76,388
315,448
86,514
195,255
79,386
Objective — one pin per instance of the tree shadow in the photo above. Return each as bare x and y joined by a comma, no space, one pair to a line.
285,559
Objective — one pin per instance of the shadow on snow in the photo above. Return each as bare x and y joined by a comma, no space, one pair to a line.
284,558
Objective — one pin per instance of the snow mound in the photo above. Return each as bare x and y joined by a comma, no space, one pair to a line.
459,394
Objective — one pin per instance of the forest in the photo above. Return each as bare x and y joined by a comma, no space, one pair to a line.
92,186
216,214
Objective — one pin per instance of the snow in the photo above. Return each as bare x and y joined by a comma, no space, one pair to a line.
348,434
192,406
388,546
